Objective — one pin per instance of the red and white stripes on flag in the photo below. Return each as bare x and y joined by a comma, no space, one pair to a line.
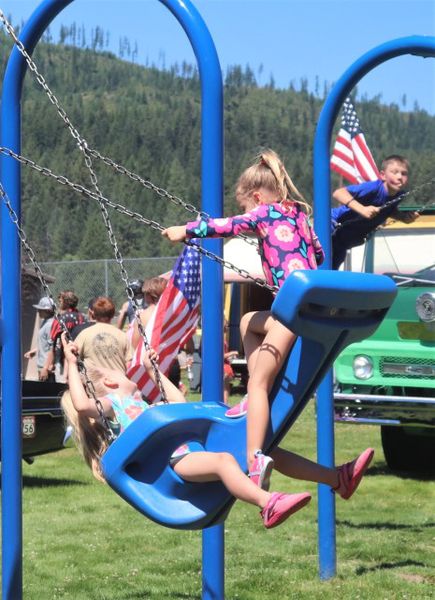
351,156
172,323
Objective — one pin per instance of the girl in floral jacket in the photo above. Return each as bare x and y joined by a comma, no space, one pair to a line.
277,214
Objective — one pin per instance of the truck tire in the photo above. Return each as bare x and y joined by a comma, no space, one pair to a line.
407,451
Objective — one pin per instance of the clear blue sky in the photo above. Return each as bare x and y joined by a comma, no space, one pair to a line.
291,39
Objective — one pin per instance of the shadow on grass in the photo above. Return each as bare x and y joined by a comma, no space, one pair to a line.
385,566
175,595
383,469
30,481
391,526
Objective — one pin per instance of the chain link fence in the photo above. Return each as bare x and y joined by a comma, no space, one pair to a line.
90,278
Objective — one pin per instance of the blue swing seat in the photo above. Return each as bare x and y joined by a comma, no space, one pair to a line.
328,310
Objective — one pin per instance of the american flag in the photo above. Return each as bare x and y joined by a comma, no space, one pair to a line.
351,156
172,323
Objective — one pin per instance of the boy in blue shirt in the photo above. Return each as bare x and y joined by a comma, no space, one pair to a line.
374,201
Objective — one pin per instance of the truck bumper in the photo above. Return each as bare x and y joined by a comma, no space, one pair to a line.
385,410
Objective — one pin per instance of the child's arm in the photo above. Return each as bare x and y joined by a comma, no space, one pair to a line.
48,366
81,401
216,228
122,316
343,196
177,233
173,394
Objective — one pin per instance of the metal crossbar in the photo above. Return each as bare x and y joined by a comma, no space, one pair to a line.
85,192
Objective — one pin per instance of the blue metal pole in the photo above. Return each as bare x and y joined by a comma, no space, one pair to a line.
421,46
11,307
212,279
212,194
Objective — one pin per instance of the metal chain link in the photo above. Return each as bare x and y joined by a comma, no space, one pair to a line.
123,272
83,191
146,183
89,386
84,148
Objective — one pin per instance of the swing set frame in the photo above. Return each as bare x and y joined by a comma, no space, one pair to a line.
212,194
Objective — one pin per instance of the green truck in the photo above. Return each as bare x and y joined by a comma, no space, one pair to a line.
389,378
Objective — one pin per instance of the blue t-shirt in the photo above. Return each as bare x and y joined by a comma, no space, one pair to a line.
369,193
127,409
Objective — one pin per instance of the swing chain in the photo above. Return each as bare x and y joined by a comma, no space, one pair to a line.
124,275
134,215
80,189
57,315
146,183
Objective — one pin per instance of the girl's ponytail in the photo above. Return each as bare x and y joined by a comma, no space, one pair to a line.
285,186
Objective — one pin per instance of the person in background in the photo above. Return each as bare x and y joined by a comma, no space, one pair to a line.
104,344
45,308
127,311
152,289
70,317
369,200
88,323
228,370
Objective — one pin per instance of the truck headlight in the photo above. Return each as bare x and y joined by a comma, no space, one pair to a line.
362,367
425,307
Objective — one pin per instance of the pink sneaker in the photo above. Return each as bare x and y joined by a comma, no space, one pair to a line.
281,506
261,470
239,410
351,473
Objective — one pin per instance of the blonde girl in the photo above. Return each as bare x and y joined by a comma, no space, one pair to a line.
122,403
276,212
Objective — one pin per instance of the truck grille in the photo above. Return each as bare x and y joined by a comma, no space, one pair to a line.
408,368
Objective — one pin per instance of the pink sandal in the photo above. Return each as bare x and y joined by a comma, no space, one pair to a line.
281,506
351,473
239,410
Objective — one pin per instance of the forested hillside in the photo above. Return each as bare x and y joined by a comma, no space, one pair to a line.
148,120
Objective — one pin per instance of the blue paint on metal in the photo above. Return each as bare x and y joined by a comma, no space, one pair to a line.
423,46
11,307
212,202
212,279
212,185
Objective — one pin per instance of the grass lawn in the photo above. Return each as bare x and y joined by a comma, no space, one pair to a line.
82,542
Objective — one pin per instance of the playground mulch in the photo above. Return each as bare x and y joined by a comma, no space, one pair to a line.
82,542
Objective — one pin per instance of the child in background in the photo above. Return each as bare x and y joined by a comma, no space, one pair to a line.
122,403
277,214
228,370
367,200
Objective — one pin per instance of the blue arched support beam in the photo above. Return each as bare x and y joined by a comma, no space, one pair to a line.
212,202
10,309
420,46
213,567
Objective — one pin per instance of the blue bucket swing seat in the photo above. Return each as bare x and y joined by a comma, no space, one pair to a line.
328,310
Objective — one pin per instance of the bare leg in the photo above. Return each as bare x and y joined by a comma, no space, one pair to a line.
253,328
270,357
227,389
298,467
215,466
